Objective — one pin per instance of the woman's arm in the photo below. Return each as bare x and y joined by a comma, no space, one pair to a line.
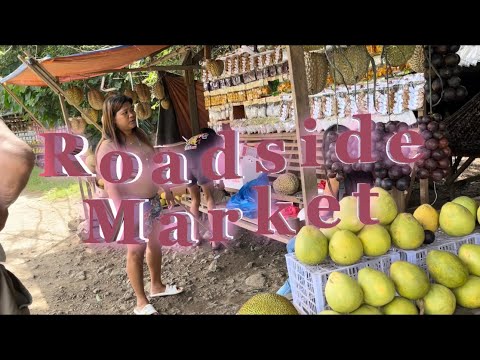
113,190
16,161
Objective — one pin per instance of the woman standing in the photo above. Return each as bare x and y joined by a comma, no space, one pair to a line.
120,132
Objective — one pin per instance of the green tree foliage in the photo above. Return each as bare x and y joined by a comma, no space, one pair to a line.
41,101
44,103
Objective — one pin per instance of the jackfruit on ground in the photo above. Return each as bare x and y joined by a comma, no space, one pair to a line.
267,304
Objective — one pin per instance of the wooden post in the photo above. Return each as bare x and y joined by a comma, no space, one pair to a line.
298,77
198,56
64,112
399,197
90,182
192,98
12,94
51,82
208,52
424,191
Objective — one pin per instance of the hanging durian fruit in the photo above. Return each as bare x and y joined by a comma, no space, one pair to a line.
143,110
397,55
158,90
131,94
215,67
74,95
95,99
143,92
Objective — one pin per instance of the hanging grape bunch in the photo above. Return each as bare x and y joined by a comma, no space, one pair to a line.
387,173
442,75
435,160
335,168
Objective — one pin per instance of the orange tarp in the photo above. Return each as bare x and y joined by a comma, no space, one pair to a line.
84,65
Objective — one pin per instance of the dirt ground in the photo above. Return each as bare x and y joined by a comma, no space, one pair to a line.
66,276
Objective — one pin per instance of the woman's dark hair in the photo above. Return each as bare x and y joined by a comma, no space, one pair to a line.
111,106
208,131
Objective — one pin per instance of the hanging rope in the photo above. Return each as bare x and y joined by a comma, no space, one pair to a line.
436,195
430,77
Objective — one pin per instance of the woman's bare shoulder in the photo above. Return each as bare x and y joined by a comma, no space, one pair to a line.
107,144
105,147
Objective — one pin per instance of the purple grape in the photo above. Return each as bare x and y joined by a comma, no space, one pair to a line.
423,173
402,127
381,173
357,166
332,137
387,184
432,126
337,166
347,168
437,175
380,126
406,169
426,134
388,163
438,154
367,167
430,164
431,144
395,172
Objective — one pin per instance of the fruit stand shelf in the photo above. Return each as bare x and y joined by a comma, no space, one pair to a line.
246,223
287,198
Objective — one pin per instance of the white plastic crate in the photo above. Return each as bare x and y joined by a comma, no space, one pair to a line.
308,282
442,242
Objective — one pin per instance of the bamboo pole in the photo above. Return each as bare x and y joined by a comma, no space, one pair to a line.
179,51
151,68
64,112
298,79
424,191
12,94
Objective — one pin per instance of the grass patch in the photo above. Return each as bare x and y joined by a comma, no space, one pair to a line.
52,188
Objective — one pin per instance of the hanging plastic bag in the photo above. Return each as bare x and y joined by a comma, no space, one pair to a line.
246,198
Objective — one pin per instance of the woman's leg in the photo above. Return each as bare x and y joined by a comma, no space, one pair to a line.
208,189
135,255
154,259
195,208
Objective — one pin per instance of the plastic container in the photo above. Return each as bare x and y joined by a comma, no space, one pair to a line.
308,282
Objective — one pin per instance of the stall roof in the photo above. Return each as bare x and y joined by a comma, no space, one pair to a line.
84,65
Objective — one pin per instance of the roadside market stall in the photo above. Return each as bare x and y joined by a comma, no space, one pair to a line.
401,247
420,263
263,94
